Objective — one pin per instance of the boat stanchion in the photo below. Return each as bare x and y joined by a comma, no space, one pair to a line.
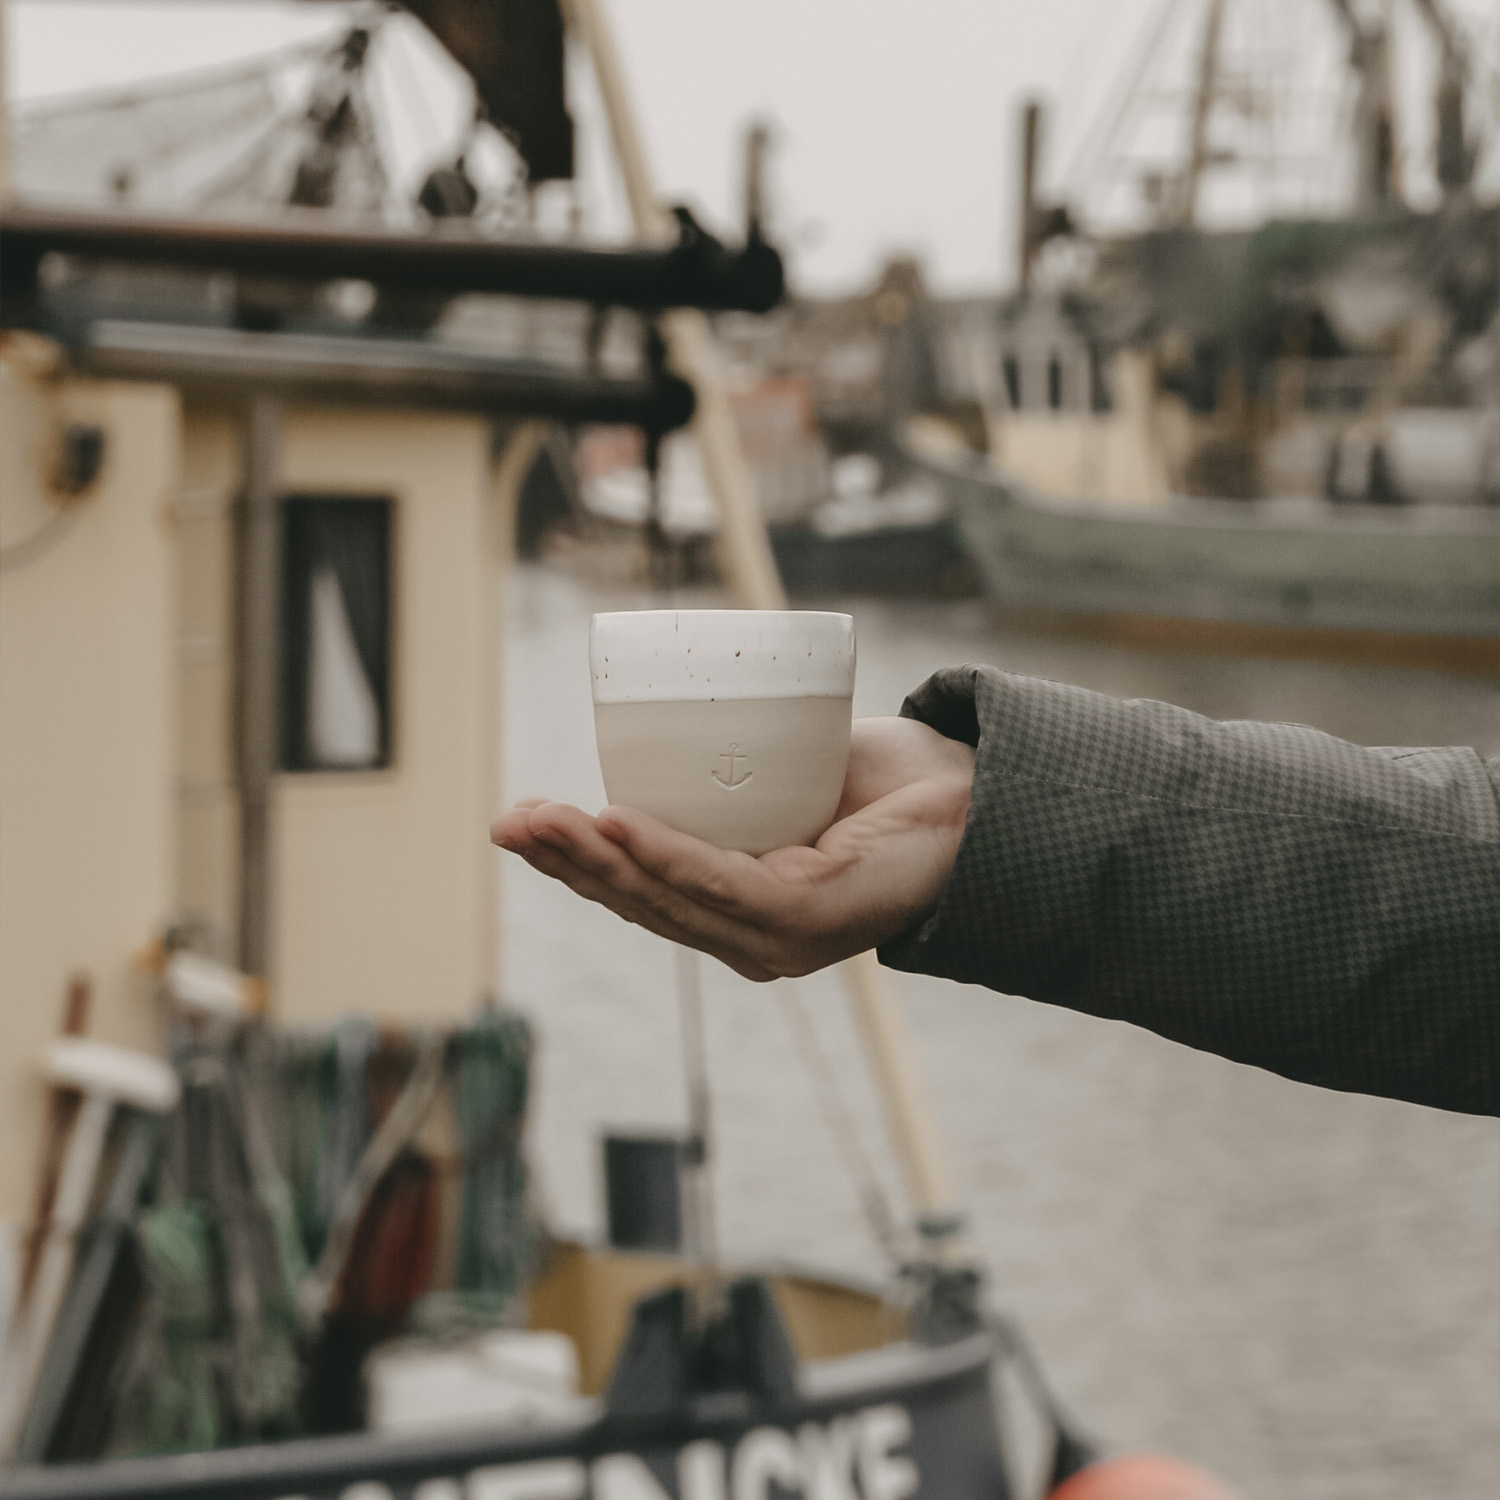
669,1358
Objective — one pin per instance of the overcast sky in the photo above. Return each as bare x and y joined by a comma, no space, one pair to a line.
896,119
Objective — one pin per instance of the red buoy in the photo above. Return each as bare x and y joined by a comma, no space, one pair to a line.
1140,1476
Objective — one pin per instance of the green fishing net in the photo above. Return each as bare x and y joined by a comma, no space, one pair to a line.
492,1064
270,1132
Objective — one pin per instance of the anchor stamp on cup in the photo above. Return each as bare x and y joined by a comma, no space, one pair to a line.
738,775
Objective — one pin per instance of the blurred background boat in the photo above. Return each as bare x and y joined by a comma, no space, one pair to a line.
1298,565
1295,424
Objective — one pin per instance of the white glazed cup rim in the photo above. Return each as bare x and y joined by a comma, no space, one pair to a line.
671,655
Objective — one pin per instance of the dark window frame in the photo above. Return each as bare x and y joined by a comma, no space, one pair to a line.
324,530
1010,368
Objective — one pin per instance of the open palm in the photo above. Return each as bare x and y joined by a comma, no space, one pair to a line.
878,868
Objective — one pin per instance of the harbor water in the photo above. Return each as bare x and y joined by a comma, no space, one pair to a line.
1295,1288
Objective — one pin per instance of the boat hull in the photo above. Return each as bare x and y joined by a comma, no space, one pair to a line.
924,560
1305,564
900,1421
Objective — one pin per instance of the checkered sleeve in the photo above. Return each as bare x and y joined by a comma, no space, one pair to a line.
1264,891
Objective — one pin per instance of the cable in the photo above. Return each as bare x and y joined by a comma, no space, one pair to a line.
153,91
242,169
700,1120
1080,172
873,1199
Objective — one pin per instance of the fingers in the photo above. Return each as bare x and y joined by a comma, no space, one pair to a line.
725,881
512,830
789,912
564,843
578,836
555,862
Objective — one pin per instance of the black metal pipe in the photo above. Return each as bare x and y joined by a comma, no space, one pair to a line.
217,363
696,271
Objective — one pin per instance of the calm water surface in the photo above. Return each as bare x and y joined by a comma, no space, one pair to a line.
1298,1289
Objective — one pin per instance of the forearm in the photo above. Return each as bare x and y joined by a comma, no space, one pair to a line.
1261,891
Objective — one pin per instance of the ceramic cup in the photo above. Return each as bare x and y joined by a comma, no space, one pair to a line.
728,724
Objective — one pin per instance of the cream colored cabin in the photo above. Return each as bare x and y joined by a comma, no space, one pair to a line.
120,756
1052,438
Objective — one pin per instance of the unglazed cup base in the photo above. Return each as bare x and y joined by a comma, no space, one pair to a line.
752,774
729,725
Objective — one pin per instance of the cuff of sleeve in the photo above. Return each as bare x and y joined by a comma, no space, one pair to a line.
946,702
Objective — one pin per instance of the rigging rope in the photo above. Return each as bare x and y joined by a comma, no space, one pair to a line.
1094,150
874,1201
700,1123
196,81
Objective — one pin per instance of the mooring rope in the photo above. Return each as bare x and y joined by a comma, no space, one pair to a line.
874,1201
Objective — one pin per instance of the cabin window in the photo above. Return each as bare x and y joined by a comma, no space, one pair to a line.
1100,399
1011,367
1054,383
335,634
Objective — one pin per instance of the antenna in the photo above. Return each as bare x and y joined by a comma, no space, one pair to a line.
1203,103
757,146
1031,130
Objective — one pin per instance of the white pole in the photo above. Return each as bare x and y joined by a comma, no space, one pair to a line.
4,115
752,576
919,1147
507,476
24,1358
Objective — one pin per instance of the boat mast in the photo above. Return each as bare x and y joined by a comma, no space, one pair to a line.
753,578
1203,103
4,115
1031,130
1378,170
1455,155
746,551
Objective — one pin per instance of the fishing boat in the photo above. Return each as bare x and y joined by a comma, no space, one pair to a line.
249,718
1290,428
891,1419
1288,423
627,1371
1298,564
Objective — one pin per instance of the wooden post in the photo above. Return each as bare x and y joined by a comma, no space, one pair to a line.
1203,103
1031,136
258,679
752,576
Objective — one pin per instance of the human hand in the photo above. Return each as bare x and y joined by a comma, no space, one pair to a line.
878,868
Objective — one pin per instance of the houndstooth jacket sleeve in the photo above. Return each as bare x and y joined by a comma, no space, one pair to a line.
1263,891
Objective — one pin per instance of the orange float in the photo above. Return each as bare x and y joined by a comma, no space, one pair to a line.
1140,1476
